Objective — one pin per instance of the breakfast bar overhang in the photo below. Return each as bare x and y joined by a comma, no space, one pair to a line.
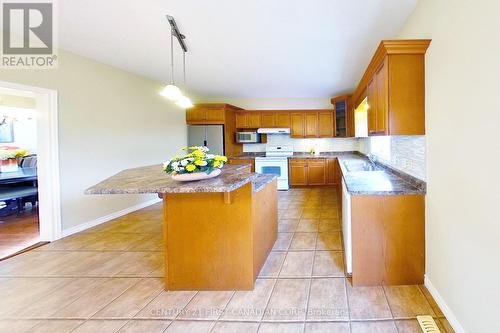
217,232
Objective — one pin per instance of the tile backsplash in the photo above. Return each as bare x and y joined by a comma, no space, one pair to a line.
305,145
404,153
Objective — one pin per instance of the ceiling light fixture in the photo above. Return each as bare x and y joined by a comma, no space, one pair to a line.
171,91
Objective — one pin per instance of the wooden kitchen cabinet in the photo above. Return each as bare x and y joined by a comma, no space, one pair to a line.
298,172
343,117
316,172
206,114
283,119
239,161
297,124
311,125
332,177
325,124
241,120
268,119
394,84
248,119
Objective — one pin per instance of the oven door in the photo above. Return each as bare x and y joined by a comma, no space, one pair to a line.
275,166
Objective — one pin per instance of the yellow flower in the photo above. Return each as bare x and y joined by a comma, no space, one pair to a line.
221,158
200,162
198,153
217,163
190,167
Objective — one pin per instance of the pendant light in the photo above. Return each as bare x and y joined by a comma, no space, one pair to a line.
171,91
183,101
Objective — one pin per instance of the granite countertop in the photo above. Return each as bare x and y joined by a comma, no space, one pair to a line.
152,179
382,181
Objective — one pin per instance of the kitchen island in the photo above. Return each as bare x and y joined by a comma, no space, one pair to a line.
218,232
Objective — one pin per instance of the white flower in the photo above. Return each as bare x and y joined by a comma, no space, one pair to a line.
184,162
175,165
176,168
165,164
209,156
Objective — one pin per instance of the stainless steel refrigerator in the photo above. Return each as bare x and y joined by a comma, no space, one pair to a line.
211,136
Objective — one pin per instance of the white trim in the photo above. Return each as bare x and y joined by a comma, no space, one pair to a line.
450,316
48,156
109,217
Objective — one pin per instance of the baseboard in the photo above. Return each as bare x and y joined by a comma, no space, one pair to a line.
107,218
450,316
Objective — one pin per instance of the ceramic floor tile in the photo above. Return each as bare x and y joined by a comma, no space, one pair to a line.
95,299
373,327
408,326
310,213
328,263
303,241
294,213
272,266
149,326
366,303
283,241
235,327
329,241
17,326
297,264
56,326
281,328
249,305
288,301
132,300
328,300
307,225
327,327
287,225
329,213
206,305
93,326
407,301
190,327
431,301
329,225
167,305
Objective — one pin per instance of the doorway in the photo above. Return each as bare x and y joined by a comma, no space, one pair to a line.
30,212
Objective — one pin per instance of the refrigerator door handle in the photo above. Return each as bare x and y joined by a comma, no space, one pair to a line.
205,143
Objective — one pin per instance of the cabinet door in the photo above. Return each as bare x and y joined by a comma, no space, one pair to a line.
298,173
240,161
253,119
331,166
316,172
241,120
382,87
214,116
372,106
297,125
283,119
311,127
267,119
325,124
195,115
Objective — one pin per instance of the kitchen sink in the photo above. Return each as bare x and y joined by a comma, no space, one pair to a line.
361,166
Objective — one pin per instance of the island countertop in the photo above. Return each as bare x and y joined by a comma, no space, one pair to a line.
152,179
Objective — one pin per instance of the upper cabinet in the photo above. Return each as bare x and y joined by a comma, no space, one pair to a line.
343,116
248,119
311,124
209,114
393,85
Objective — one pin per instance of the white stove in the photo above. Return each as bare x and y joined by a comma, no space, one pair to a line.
275,162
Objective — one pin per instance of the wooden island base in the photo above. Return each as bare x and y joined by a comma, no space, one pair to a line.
218,241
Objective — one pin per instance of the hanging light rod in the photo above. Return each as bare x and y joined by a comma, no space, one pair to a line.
177,33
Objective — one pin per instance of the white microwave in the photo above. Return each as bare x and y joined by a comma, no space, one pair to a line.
247,137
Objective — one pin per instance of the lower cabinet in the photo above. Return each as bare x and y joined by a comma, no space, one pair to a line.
250,161
332,172
308,171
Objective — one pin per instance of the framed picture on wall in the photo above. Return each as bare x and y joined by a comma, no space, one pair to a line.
6,131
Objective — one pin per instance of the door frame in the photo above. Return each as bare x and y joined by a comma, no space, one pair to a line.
49,196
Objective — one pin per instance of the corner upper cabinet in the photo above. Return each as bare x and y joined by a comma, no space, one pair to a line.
343,117
394,83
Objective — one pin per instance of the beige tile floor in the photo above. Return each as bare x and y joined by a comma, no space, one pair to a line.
107,279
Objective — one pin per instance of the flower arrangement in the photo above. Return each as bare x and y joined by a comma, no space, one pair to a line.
7,154
195,160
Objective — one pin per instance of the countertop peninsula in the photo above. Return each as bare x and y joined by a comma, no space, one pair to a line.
152,179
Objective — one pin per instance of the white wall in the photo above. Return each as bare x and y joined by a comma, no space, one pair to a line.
463,178
109,120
